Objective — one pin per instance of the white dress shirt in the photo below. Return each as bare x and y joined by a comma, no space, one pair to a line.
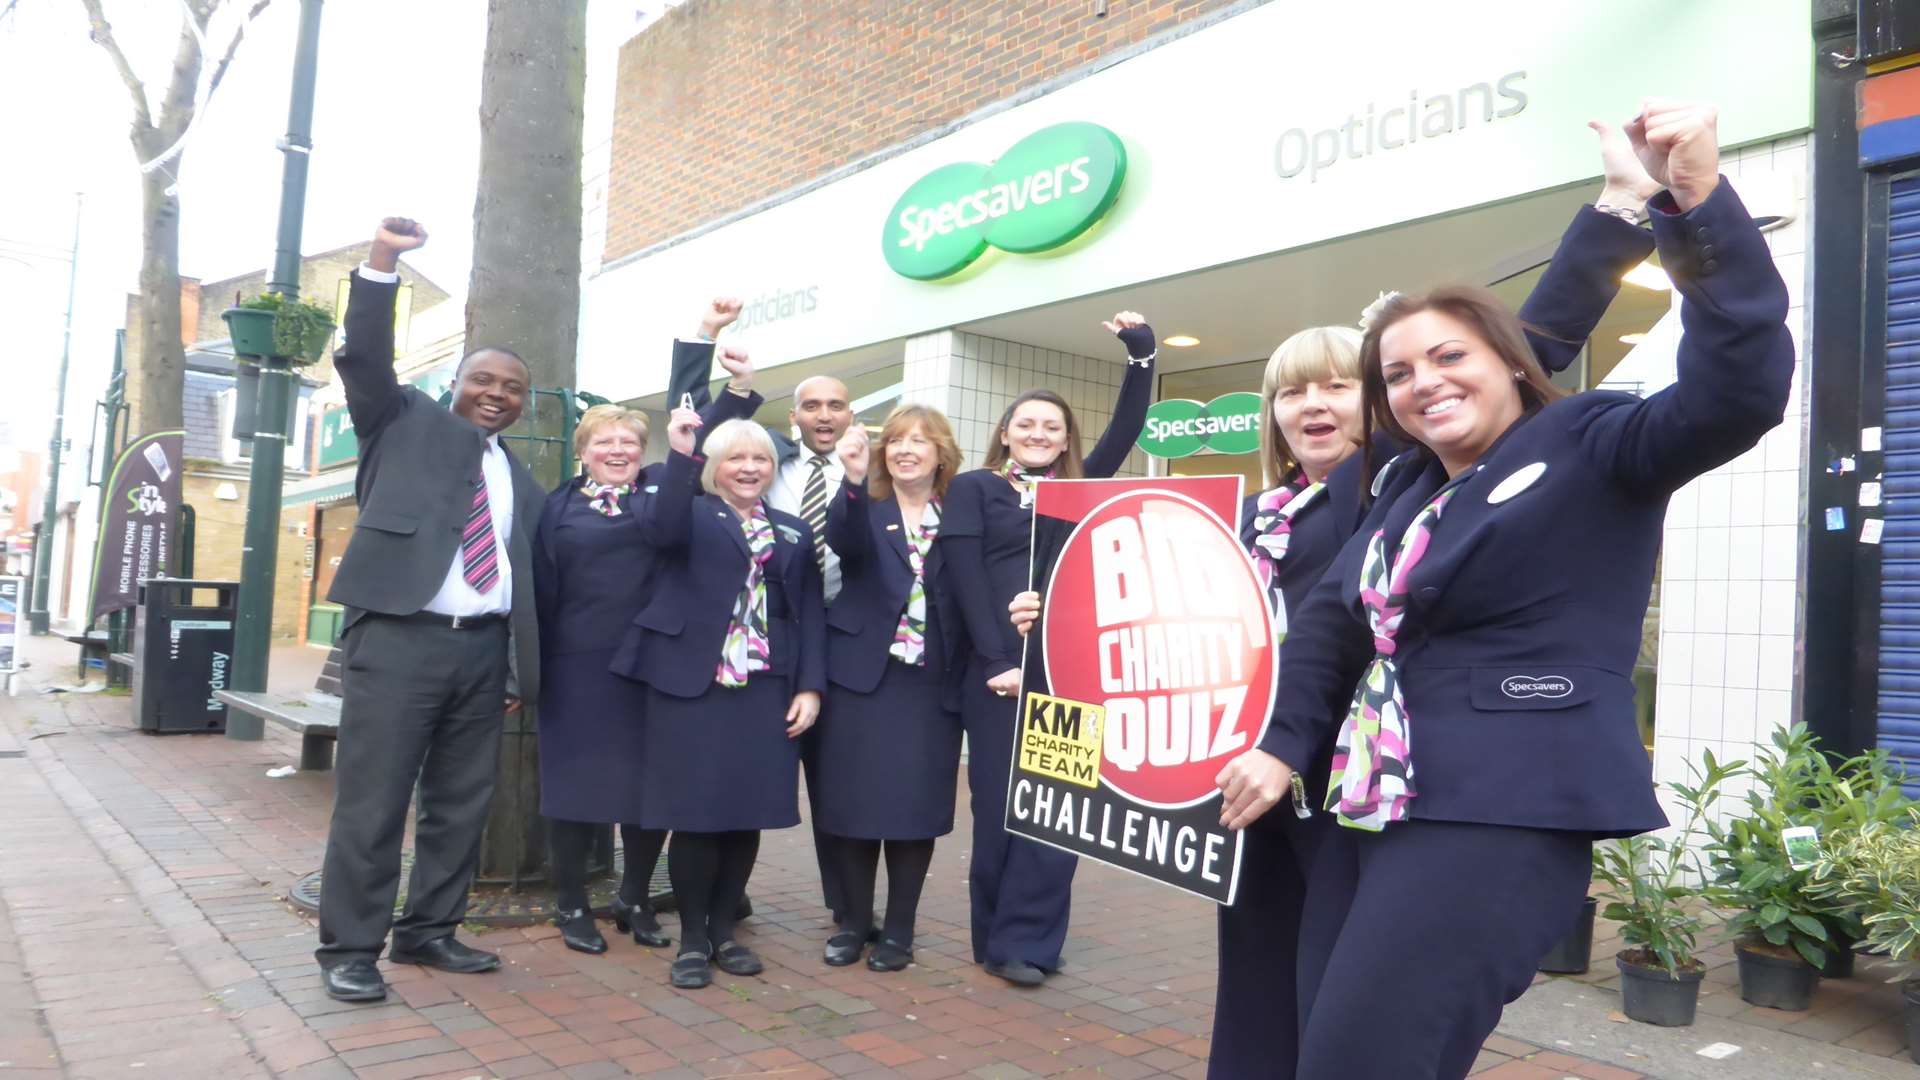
790,484
456,597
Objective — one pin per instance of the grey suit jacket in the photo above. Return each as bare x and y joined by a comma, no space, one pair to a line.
414,485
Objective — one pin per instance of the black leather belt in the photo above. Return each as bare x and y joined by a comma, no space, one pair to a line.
451,622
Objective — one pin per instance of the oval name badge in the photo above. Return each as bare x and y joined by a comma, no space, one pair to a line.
1516,482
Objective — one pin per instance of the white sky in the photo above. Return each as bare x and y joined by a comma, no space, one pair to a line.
394,130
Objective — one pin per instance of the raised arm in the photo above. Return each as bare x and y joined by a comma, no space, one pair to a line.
1600,246
1734,367
365,358
849,515
669,519
693,360
1130,408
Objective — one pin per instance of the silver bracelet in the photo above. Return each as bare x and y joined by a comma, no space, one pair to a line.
1628,214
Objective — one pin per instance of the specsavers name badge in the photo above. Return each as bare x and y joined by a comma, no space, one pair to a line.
1060,739
1802,844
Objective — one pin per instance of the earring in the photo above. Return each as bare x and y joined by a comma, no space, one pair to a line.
1519,375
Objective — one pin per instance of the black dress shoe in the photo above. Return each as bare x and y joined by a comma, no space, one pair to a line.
691,970
889,955
844,948
736,959
578,931
640,920
354,980
447,955
1019,973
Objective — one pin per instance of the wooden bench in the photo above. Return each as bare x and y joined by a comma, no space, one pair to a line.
314,715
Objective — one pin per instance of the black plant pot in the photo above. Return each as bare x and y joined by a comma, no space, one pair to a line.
1911,991
1840,959
1774,982
1651,996
1573,954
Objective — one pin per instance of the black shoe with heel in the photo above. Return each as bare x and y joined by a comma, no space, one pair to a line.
578,931
639,920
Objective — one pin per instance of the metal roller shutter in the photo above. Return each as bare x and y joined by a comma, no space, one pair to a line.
1899,711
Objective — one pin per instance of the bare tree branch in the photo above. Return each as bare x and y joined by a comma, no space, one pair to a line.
220,71
102,35
177,107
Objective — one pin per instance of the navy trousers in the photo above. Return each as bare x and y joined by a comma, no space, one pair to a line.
1022,891
1414,938
1259,950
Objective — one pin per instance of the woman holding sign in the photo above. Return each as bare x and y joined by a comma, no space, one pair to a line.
729,647
1490,735
1311,429
1021,890
889,753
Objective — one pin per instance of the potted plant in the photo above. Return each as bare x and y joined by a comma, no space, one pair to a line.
1856,793
1652,885
1876,871
1573,954
270,325
1780,940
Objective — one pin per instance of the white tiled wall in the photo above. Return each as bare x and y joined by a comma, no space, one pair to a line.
973,378
1729,598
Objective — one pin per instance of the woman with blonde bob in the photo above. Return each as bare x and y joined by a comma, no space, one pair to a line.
889,748
728,646
591,574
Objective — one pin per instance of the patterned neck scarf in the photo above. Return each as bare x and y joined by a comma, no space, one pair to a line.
604,497
1025,477
1273,513
1372,780
745,649
910,637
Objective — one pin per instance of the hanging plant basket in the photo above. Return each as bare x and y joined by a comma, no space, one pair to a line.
269,325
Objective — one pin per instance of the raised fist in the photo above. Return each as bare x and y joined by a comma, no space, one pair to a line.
1626,180
1679,143
719,315
680,428
854,451
395,235
739,369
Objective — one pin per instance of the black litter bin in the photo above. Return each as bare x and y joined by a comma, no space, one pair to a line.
182,653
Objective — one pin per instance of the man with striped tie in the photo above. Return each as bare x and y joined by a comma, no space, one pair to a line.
440,643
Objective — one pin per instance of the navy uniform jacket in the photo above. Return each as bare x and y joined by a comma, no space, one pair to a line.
1560,313
1515,663
587,608
871,539
414,486
674,644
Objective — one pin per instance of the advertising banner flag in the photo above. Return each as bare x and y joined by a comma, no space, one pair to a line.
1152,666
137,531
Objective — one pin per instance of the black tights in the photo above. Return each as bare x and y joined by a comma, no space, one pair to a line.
709,873
570,842
856,863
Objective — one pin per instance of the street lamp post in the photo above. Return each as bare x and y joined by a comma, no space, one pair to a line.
254,626
38,619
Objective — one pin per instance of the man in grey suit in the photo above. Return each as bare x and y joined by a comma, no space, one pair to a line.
441,639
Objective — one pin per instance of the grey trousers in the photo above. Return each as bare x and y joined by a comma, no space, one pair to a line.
421,705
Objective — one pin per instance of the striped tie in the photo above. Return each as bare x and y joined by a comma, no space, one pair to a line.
813,507
479,557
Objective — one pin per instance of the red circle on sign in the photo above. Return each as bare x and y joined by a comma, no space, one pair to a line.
1154,612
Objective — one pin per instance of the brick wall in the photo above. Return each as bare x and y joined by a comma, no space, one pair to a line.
722,103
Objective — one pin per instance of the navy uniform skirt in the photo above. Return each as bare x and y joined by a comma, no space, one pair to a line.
888,761
592,740
721,761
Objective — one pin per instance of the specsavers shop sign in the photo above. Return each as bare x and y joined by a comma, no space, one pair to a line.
1045,191
1179,427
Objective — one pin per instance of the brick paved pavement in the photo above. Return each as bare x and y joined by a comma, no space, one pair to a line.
143,932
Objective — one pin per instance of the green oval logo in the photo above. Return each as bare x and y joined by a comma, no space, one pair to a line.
1045,191
1178,427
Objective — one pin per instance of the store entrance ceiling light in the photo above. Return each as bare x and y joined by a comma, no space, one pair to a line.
1183,341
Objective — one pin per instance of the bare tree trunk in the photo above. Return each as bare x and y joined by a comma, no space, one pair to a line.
525,295
161,364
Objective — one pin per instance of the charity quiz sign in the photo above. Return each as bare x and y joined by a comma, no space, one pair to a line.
1152,666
